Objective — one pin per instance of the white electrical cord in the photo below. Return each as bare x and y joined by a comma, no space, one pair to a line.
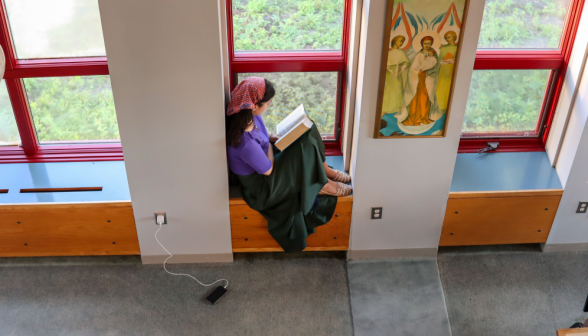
160,220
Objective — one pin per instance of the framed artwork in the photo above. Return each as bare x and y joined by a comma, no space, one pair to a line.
419,62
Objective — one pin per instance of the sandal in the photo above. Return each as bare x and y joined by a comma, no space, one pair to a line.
342,177
342,190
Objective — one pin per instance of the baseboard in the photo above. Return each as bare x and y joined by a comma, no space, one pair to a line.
564,247
188,258
393,253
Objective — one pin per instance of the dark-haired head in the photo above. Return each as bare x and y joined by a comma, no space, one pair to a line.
236,123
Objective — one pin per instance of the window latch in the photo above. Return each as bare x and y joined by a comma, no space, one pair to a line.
492,146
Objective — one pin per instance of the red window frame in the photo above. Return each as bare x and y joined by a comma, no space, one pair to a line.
30,149
555,60
298,61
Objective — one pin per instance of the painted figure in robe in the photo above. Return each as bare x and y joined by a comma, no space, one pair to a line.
447,55
396,77
419,92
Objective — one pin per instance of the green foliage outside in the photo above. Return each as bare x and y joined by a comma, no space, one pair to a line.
287,24
316,90
72,108
74,29
505,101
8,131
522,23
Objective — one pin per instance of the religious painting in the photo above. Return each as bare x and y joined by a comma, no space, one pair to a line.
419,58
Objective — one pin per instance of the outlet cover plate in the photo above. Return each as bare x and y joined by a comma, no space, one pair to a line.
582,207
377,213
164,217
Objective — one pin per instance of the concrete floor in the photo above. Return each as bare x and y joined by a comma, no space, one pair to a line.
472,291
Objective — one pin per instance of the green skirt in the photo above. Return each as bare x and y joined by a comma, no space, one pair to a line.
286,197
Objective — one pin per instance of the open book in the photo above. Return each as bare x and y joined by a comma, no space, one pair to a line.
292,127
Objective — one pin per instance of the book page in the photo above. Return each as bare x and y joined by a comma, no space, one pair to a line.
300,128
291,121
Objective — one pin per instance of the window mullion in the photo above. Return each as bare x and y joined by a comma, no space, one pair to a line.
22,115
547,98
517,61
94,66
288,65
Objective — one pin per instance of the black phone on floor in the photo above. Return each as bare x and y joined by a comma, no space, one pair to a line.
216,294
586,305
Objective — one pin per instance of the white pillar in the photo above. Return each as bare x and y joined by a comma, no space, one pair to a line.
410,178
165,64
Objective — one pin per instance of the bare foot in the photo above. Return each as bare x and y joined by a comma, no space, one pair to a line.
330,187
330,172
335,175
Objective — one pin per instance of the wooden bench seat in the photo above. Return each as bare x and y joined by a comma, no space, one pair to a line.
249,229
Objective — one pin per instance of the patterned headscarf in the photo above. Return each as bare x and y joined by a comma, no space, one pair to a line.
246,95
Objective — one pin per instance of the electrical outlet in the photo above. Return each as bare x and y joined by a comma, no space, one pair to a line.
164,217
582,206
377,213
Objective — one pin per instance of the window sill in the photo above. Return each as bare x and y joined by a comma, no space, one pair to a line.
504,172
333,148
64,153
111,176
470,145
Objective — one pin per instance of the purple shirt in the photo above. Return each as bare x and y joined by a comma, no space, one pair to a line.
251,154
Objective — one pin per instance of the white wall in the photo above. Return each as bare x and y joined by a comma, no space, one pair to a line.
570,230
165,64
567,148
561,156
409,178
351,87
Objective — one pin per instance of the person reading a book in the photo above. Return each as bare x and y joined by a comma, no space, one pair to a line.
294,188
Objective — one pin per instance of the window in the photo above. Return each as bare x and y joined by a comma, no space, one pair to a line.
523,52
57,103
505,102
299,45
8,130
53,29
288,24
316,90
523,24
72,109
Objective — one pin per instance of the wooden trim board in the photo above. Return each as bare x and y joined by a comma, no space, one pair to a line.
506,193
68,229
577,332
240,201
249,229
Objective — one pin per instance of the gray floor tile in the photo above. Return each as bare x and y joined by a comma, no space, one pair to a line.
397,297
